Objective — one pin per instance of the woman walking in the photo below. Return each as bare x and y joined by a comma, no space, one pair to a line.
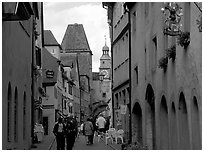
88,131
59,132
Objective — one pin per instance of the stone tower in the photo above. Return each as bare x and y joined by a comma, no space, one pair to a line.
105,70
105,63
75,46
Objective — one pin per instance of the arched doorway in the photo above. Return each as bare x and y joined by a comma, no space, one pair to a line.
184,138
99,107
196,134
173,128
137,123
164,125
150,118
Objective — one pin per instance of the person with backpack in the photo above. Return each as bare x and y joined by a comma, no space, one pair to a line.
59,132
71,131
88,131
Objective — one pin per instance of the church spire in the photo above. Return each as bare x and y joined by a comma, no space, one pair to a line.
105,40
105,48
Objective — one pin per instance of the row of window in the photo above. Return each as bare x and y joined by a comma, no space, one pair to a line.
122,96
13,115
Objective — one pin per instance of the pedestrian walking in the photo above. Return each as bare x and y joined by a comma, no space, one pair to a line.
88,131
100,123
71,132
107,123
94,129
59,132
82,129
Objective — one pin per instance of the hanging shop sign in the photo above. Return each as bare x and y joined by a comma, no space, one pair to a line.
49,74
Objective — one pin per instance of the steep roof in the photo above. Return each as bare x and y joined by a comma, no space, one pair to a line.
49,64
75,38
49,38
68,60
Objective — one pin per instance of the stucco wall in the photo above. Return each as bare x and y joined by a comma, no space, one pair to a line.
182,75
16,70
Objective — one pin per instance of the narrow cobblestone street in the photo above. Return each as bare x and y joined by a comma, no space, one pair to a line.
80,144
129,72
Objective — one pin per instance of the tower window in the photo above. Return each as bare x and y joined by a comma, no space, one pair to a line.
104,95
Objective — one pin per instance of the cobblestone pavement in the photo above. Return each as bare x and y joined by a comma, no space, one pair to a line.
80,144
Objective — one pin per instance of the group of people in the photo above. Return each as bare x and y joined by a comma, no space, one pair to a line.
66,129
89,127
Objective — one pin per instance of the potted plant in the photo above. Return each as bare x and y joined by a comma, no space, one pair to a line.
184,39
171,52
163,63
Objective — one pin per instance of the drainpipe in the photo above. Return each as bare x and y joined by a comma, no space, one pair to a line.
130,86
130,83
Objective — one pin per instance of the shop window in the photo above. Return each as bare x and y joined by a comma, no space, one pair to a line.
9,109
104,95
24,116
16,116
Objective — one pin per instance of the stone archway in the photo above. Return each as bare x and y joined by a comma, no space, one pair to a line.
150,118
196,134
173,128
164,125
137,123
99,107
184,137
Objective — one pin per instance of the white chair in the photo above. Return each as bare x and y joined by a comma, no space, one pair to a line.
109,136
119,134
100,135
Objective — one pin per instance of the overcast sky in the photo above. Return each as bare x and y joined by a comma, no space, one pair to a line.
57,16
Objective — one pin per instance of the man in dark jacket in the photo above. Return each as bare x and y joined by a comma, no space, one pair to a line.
71,130
59,132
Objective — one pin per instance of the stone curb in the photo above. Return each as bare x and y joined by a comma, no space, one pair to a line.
51,144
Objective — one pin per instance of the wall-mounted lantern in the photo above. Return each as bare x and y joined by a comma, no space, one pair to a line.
173,13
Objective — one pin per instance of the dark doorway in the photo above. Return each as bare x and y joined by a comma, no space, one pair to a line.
164,125
150,118
184,137
137,123
45,125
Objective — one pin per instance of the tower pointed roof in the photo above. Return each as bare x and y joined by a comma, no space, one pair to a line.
105,47
105,55
75,38
49,38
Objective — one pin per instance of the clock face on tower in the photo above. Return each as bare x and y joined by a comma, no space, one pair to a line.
105,73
